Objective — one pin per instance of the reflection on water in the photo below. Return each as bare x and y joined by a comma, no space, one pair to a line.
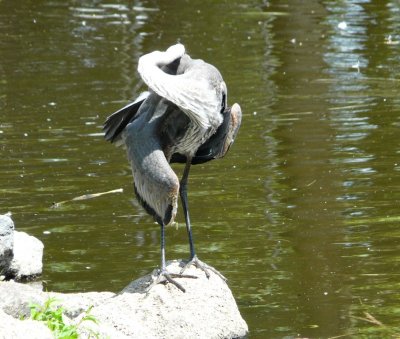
301,216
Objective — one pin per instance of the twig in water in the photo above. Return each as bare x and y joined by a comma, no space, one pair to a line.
86,197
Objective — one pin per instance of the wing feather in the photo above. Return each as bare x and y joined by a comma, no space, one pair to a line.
116,122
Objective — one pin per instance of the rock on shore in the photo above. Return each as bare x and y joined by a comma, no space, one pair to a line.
206,310
20,254
6,242
14,328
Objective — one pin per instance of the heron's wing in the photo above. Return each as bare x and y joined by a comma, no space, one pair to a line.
156,184
198,91
117,121
219,143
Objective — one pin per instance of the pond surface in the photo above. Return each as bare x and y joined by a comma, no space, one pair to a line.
302,216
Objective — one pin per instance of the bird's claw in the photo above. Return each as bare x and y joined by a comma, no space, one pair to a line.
203,266
164,277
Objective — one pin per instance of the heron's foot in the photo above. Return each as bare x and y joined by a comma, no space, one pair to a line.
164,277
203,266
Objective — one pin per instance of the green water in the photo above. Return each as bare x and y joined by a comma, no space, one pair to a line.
302,216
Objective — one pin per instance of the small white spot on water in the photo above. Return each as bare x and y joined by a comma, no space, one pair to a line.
342,25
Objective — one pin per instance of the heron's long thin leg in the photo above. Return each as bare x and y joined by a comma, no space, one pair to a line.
185,205
163,267
193,257
163,274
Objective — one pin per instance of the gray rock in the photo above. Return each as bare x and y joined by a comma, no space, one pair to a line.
18,329
27,260
206,310
20,254
15,299
6,242
75,304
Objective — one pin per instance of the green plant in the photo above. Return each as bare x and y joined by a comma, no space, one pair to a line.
53,316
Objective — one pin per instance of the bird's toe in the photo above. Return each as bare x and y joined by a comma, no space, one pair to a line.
196,262
164,277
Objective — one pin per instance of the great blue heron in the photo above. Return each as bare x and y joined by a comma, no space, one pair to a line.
183,118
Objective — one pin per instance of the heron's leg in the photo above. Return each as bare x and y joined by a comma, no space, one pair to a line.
163,274
185,205
193,257
163,267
